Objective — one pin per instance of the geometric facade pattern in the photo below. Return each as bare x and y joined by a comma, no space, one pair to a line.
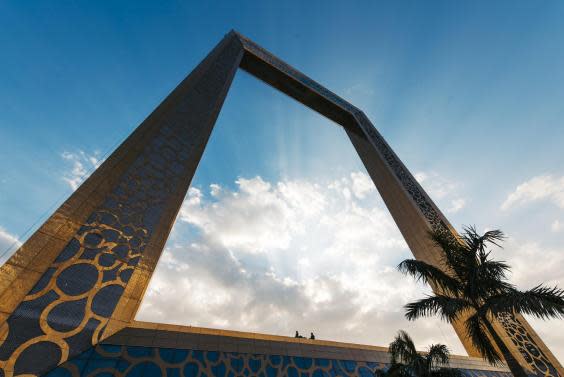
170,351
79,279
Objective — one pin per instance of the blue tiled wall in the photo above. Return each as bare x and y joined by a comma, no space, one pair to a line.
129,361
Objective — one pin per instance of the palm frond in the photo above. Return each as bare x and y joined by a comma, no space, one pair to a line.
487,279
381,373
454,251
402,349
478,243
427,273
494,269
541,301
478,333
449,308
438,355
420,366
473,280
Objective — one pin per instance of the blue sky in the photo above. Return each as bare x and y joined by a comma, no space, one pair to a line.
469,94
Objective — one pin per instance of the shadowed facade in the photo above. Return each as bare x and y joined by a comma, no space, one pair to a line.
80,278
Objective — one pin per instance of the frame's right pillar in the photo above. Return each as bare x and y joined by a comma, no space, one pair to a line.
416,214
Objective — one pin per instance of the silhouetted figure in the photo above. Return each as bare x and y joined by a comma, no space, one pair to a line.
312,336
297,334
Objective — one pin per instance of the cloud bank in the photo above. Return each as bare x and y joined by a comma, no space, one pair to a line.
542,187
275,257
442,190
81,165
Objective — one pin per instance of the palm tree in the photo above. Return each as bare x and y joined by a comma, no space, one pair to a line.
472,283
407,362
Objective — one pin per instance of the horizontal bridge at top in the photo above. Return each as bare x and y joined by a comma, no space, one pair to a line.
275,72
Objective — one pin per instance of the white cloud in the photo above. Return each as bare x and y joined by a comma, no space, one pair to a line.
442,190
542,187
275,257
522,255
362,184
556,226
456,205
258,217
436,186
8,244
420,176
215,189
81,165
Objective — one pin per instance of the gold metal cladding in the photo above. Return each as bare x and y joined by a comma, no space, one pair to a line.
94,281
110,233
396,184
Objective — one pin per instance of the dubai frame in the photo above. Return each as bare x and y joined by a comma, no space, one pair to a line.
69,295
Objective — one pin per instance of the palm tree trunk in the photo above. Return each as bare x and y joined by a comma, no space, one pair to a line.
516,368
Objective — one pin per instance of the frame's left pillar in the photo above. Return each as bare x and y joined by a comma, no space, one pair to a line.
82,275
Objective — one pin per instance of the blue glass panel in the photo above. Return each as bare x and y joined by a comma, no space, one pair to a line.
237,365
319,373
136,371
77,279
292,372
365,372
303,362
199,355
111,348
348,365
271,372
152,369
167,354
254,364
191,370
136,351
219,370
180,356
94,364
322,362
58,372
106,300
212,356
172,372
275,359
